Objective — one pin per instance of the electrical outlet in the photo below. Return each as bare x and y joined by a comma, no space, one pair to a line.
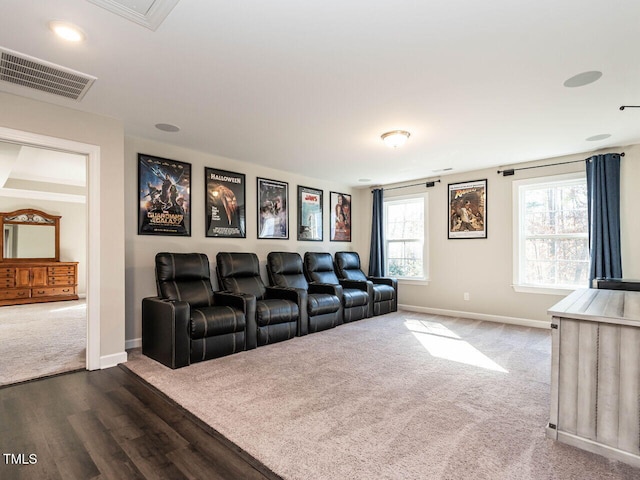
466,295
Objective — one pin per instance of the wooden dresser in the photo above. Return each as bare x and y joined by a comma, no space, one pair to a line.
595,373
35,282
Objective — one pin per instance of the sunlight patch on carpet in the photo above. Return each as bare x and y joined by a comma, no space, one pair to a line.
443,343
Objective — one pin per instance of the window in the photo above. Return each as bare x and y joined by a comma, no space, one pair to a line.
405,245
551,237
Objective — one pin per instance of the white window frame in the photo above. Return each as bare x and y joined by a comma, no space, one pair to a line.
518,238
424,279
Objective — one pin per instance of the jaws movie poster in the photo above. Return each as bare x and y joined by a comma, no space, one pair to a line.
164,190
225,215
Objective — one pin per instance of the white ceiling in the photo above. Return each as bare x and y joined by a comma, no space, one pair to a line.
42,174
19,162
309,86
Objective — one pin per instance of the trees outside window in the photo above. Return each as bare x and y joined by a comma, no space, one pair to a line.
405,227
551,232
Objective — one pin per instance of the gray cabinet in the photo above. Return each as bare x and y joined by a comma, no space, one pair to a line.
595,373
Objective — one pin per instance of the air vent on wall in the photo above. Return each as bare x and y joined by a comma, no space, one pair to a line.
31,72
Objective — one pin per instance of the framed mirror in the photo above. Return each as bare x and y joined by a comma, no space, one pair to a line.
29,235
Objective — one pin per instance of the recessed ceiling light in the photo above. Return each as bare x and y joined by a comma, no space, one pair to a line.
582,79
167,127
364,180
67,31
595,138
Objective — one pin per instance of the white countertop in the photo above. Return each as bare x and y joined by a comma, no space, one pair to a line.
618,307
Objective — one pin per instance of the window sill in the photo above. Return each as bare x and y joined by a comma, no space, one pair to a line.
413,281
544,290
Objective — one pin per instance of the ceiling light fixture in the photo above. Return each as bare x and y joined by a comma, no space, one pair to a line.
67,31
395,138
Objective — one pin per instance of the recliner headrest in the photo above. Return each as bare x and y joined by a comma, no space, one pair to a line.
284,263
235,264
182,267
348,260
318,262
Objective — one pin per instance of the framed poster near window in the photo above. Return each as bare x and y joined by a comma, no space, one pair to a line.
224,203
273,214
340,204
164,196
468,209
309,214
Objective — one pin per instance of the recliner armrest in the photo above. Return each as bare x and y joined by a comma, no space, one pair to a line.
286,293
329,288
247,304
392,282
297,296
165,331
359,284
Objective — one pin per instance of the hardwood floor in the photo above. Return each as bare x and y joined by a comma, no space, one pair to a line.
109,424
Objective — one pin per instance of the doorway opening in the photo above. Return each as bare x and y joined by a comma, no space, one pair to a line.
90,258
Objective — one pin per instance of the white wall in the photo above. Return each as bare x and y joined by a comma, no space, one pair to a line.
141,249
28,115
484,267
73,229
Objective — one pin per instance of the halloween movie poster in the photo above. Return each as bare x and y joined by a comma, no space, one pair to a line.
225,207
164,195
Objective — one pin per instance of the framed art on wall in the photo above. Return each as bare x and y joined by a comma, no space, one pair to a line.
309,214
224,203
273,214
340,204
164,196
468,209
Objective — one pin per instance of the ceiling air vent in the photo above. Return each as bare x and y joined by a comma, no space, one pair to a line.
148,13
30,72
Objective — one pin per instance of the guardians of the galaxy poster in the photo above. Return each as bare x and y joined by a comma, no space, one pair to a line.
164,191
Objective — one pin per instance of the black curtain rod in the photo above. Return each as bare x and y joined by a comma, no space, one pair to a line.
510,171
426,184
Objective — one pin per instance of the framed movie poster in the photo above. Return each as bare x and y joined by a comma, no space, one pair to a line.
164,196
309,214
224,203
340,204
273,214
468,209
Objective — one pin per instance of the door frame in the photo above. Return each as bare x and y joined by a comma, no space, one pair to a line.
92,152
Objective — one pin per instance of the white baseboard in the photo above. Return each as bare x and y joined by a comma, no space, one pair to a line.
109,361
133,343
523,322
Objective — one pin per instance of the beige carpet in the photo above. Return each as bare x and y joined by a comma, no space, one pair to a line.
42,339
401,396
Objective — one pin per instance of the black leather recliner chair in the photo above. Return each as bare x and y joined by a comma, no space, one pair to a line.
277,315
188,322
320,304
385,289
318,268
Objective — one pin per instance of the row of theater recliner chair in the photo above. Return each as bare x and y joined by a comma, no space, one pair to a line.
189,322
